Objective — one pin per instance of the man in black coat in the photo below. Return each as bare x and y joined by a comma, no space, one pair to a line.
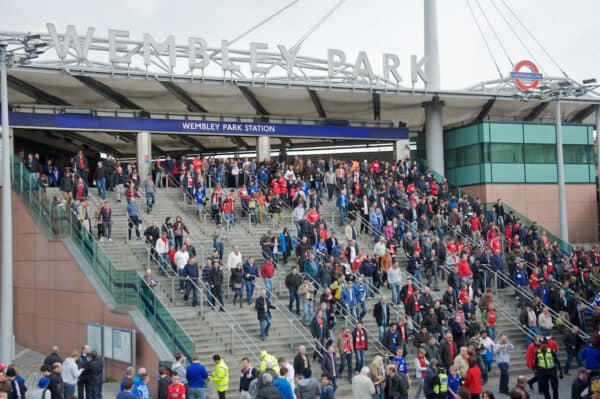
301,361
293,281
580,384
56,385
267,390
329,364
573,345
215,279
448,350
93,375
381,312
164,380
53,357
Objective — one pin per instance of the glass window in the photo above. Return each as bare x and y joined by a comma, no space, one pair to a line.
540,153
469,155
504,153
578,154
450,159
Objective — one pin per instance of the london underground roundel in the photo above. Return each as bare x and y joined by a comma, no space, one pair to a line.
528,79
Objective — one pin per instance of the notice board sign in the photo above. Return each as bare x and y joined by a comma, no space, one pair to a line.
111,342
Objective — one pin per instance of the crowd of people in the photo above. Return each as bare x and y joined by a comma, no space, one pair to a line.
450,242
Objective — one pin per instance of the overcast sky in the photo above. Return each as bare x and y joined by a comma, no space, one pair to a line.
569,30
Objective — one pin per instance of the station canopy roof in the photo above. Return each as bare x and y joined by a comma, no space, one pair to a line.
46,90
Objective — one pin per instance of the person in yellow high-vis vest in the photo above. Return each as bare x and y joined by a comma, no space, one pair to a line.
220,377
547,365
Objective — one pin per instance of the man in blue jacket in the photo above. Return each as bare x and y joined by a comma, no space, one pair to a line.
360,293
196,376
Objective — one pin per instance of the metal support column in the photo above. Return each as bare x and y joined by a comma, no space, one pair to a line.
144,154
6,312
263,148
562,194
434,128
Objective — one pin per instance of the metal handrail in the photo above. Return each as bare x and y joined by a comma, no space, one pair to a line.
236,329
530,266
294,323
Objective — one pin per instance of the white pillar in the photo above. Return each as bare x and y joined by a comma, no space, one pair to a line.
263,148
434,127
11,149
401,150
598,143
434,135
562,193
7,351
144,154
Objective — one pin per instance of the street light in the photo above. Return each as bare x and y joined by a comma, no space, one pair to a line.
557,90
12,51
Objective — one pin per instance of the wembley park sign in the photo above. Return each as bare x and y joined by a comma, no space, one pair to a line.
198,58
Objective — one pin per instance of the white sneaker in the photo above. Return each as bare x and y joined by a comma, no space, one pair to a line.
110,239
101,239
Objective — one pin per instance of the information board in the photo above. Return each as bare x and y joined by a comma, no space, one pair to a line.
108,345
122,345
94,337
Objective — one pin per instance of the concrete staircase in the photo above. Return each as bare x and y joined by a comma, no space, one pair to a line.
235,333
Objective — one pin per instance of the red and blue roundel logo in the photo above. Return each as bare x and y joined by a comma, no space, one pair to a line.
526,80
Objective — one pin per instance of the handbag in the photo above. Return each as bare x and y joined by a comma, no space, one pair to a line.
489,356
237,286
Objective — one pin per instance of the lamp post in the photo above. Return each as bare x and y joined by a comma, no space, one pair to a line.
6,311
23,50
560,165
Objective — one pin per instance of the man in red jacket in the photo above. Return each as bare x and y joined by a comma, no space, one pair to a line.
267,272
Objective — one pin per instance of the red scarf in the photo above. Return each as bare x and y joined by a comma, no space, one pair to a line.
409,292
492,318
421,360
79,191
347,345
451,345
361,342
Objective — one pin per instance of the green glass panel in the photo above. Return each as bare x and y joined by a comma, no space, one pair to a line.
486,172
506,132
468,175
575,134
465,136
578,154
503,153
508,173
540,134
577,174
484,132
540,153
541,173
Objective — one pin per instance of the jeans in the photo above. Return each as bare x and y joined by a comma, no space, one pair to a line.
164,262
346,361
491,331
268,286
95,391
83,389
361,309
360,359
178,241
101,185
533,331
396,287
150,199
307,310
196,393
381,332
330,191
189,286
70,390
342,215
265,325
503,377
249,290
294,298
181,279
570,356
419,388
219,246
484,370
